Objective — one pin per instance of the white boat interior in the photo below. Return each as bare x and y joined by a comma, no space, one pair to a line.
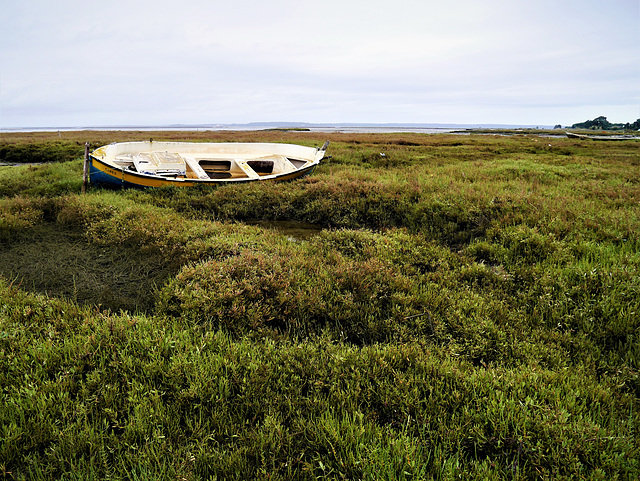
209,160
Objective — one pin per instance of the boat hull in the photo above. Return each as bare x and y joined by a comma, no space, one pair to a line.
286,161
602,137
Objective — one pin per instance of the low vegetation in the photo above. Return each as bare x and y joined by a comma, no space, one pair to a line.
468,307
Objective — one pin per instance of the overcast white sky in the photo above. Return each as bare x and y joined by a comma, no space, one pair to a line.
67,63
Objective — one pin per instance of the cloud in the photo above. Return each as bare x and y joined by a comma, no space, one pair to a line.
72,62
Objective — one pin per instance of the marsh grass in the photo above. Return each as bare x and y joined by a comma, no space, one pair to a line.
470,309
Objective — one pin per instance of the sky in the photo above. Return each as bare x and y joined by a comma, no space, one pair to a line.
72,63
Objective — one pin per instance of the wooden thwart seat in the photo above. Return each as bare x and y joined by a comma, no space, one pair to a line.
194,171
246,168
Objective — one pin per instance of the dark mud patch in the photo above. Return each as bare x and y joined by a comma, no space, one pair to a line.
58,261
294,230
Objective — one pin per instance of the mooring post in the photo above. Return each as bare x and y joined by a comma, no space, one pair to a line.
85,169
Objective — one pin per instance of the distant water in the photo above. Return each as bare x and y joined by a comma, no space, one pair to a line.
243,128
384,130
345,128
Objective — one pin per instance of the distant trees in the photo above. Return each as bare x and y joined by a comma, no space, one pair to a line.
634,126
601,123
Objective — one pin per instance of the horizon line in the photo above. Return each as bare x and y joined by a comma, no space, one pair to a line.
286,124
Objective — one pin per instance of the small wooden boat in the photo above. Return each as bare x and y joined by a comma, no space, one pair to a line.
157,164
603,137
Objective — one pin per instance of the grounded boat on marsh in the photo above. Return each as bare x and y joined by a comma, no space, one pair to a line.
604,137
158,164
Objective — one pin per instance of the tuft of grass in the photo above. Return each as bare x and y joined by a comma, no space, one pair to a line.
43,180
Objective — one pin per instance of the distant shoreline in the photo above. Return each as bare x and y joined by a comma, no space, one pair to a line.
347,127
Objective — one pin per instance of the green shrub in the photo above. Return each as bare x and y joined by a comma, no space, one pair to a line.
288,292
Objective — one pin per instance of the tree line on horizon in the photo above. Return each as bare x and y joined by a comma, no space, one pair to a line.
601,123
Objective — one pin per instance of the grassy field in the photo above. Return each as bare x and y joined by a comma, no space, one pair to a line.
466,307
